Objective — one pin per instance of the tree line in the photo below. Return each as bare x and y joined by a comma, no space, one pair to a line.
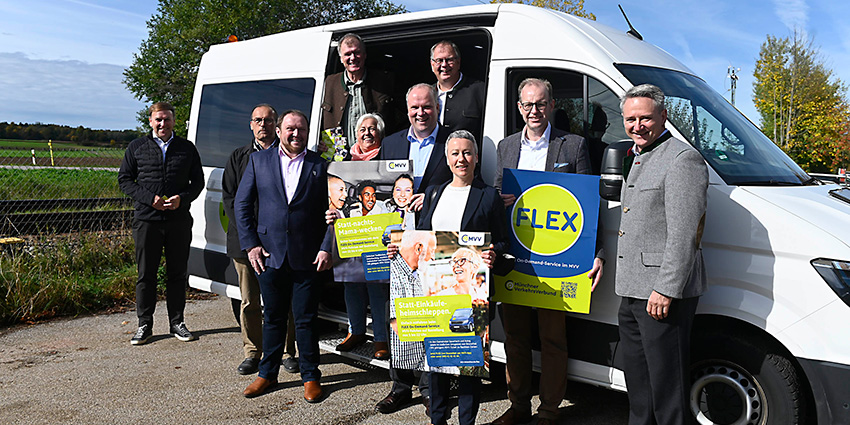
80,135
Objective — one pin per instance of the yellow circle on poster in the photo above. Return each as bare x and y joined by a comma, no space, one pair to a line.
547,219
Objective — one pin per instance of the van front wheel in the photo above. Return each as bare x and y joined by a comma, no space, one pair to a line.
735,381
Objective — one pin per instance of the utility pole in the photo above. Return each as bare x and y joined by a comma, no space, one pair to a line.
732,73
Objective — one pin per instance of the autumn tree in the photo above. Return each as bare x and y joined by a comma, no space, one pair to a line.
803,109
572,7
181,31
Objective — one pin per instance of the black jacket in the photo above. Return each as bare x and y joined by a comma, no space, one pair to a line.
465,108
396,146
144,174
233,171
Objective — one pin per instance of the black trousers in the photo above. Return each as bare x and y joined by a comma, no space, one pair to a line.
152,237
657,359
468,398
403,380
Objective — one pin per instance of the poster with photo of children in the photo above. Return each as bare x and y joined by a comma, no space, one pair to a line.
449,312
371,197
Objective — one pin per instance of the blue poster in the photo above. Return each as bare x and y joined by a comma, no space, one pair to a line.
553,226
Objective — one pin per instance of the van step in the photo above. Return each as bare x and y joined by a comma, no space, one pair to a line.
363,353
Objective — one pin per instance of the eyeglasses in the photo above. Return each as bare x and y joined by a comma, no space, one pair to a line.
448,61
262,121
458,262
526,106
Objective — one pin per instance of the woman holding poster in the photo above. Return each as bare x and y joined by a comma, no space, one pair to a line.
483,211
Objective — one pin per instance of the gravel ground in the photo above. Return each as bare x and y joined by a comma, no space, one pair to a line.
84,371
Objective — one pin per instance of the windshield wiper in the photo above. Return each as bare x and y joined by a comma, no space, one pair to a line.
770,183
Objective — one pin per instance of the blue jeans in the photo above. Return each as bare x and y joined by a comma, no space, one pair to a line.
360,294
280,289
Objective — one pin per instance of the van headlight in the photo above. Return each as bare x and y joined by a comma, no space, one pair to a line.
837,276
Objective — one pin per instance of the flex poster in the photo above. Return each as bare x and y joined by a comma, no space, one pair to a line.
553,227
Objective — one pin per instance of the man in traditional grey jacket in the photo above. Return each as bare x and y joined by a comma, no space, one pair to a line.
660,271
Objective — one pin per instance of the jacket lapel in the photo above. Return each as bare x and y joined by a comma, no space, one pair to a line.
306,170
472,204
554,151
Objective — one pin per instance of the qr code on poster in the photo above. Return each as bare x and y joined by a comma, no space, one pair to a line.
568,289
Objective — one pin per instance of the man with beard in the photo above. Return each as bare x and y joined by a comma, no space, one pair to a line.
288,243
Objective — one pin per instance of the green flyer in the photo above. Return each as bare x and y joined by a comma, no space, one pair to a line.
424,317
357,235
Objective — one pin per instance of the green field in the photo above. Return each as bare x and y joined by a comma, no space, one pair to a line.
62,153
38,144
58,184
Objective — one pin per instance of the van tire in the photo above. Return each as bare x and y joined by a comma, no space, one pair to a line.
738,379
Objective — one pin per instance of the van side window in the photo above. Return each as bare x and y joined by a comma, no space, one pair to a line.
225,112
583,106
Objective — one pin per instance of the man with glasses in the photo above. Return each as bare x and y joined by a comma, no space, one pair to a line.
263,118
461,98
539,146
356,90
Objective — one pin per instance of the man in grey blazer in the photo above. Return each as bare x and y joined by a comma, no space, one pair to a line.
660,272
539,146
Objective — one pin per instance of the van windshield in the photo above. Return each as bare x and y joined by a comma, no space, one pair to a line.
738,151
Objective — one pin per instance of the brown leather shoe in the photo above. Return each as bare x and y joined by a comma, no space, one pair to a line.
259,387
351,342
512,417
313,392
382,351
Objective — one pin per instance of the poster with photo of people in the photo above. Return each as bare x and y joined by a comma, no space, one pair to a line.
440,302
371,197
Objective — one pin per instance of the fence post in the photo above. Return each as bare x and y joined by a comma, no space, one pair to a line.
33,156
50,145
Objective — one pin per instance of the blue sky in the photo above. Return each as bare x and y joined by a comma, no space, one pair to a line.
61,61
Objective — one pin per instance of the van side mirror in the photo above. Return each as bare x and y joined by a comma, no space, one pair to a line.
611,172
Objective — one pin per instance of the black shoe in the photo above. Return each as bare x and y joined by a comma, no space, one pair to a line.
248,366
143,334
181,332
426,401
393,402
290,364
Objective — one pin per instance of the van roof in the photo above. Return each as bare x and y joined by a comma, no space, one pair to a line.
557,36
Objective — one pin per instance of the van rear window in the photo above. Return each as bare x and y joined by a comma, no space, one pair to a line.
225,112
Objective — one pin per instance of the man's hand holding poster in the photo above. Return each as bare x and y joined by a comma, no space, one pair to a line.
438,295
553,227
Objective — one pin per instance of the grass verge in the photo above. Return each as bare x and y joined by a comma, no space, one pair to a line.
66,275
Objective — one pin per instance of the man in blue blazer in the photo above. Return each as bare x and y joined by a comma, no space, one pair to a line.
288,243
424,142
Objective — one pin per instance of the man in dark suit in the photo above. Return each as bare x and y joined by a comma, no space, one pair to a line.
424,142
355,91
539,146
461,98
288,243
660,271
162,173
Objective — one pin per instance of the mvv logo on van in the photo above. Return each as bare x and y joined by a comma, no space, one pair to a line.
471,238
398,166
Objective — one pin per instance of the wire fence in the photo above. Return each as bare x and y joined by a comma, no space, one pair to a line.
61,188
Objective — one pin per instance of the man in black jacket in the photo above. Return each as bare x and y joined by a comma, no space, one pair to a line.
162,173
263,119
461,97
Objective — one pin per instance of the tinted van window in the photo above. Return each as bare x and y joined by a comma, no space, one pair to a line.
225,112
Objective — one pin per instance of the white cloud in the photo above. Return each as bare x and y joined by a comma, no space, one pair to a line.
65,92
794,14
